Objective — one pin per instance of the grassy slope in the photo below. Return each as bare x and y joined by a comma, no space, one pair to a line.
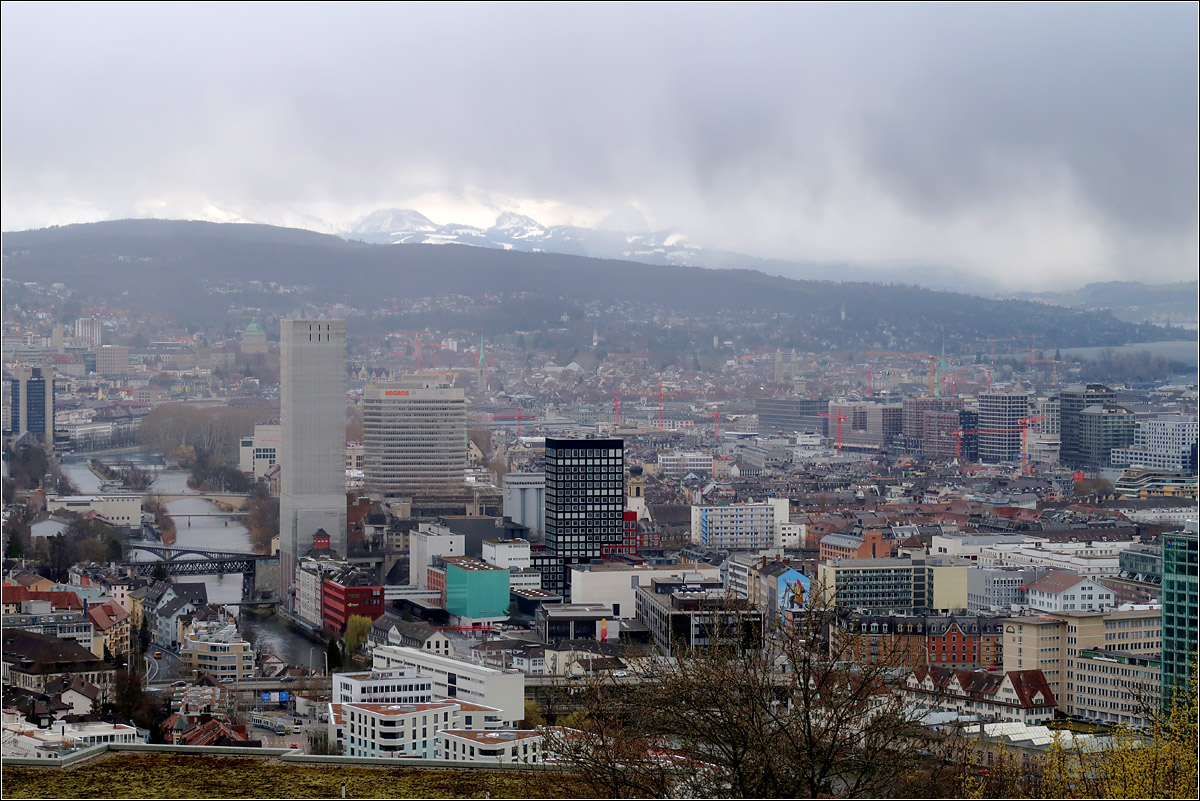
141,775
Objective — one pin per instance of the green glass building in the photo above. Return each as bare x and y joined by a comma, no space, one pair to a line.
1180,568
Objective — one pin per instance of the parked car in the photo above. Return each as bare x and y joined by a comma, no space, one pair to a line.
620,674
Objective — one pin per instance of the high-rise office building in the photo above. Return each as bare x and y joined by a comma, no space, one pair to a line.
1180,565
1072,401
585,501
312,439
1000,414
32,405
1102,428
90,331
414,436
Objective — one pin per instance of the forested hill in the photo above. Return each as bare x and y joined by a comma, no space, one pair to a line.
167,265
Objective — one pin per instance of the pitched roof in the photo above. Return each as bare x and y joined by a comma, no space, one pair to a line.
47,654
106,615
1057,581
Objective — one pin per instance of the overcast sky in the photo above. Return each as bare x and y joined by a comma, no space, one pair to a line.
1040,146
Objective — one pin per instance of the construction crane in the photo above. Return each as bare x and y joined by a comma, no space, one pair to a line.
1025,421
662,395
617,407
417,337
435,346
870,376
839,417
933,360
1054,362
716,416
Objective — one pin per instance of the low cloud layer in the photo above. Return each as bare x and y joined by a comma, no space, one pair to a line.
1032,146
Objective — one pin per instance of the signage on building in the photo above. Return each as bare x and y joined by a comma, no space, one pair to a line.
395,392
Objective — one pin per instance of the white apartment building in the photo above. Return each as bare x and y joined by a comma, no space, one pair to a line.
415,436
396,730
503,746
461,681
1164,443
312,437
123,510
428,541
1064,591
742,526
616,584
1092,559
390,686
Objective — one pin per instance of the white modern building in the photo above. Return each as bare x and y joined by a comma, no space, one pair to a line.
525,500
741,526
507,554
415,436
1164,443
616,583
1092,559
503,746
312,439
461,681
391,686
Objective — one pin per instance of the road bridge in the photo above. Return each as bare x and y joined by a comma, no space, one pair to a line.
237,500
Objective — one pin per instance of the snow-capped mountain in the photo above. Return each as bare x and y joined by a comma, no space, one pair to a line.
517,232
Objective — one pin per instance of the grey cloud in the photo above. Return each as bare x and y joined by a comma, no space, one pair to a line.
762,128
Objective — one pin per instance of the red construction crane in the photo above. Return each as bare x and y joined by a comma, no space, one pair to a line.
716,416
518,422
417,336
435,346
617,406
839,417
870,376
933,360
1025,421
662,395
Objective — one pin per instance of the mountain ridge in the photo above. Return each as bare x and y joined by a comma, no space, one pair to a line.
172,266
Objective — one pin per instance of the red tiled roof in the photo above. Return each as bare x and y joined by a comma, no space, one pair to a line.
1057,581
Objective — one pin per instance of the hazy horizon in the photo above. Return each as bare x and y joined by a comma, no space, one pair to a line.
1025,147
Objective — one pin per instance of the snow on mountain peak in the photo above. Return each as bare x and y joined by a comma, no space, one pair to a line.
391,221
518,225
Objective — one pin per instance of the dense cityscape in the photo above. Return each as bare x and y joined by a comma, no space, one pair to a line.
512,400
272,539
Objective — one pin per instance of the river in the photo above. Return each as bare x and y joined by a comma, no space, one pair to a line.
267,632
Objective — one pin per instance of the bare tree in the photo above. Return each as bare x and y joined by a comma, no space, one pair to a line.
796,717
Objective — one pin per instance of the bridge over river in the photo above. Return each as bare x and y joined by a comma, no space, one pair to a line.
260,574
